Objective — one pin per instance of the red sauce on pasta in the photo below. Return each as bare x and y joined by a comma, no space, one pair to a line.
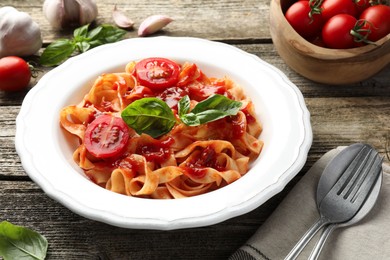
189,160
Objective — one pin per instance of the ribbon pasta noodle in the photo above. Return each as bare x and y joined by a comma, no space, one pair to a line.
185,162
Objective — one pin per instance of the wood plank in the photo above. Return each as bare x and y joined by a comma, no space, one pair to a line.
71,236
212,19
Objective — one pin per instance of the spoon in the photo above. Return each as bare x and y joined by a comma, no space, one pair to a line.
337,183
366,208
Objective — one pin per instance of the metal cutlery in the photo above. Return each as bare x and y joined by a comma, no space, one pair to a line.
358,167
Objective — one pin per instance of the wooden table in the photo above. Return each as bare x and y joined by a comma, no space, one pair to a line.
340,115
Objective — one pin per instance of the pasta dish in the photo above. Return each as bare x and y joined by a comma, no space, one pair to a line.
163,130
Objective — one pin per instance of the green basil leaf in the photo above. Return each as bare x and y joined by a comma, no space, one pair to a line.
57,52
211,109
107,34
81,31
94,34
83,46
17,242
190,119
184,105
151,116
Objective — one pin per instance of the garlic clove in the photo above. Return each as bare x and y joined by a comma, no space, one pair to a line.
153,24
88,11
54,11
121,20
68,13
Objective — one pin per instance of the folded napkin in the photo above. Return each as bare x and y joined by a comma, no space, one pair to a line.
368,239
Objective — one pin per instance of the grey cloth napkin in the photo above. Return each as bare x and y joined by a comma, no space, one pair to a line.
368,239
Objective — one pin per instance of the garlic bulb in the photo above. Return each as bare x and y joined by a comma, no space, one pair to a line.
19,34
69,13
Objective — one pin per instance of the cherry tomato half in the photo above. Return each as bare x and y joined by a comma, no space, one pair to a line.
157,73
15,73
336,32
106,136
378,21
303,20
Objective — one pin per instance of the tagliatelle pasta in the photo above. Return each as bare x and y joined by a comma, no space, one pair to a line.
184,162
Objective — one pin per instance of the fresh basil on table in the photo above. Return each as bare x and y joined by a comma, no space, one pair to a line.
154,117
17,242
83,40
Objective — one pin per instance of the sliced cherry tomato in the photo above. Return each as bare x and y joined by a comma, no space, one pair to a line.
172,95
336,32
106,136
330,8
15,73
377,23
157,73
305,21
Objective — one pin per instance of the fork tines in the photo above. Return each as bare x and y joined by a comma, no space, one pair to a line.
367,164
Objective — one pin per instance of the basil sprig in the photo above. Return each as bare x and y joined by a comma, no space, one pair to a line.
17,242
154,117
83,40
210,109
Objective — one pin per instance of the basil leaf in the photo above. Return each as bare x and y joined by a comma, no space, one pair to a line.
92,35
184,105
151,116
81,31
17,242
83,46
83,40
190,119
105,34
211,109
57,52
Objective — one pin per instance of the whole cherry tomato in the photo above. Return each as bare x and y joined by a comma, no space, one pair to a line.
336,32
330,8
377,23
305,20
361,5
15,73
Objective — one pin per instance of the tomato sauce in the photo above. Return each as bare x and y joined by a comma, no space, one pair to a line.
155,150
207,159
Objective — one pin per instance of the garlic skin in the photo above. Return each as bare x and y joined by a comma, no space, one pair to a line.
153,24
19,34
69,13
121,20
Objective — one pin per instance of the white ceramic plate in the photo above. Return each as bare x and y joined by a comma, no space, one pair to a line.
46,153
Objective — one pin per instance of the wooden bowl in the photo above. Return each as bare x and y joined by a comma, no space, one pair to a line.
324,65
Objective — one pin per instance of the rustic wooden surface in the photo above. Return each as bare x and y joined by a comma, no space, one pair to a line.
340,115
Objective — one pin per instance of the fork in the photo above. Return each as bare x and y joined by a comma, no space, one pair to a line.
346,196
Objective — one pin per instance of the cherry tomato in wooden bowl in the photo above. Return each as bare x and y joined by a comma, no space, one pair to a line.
321,63
15,73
